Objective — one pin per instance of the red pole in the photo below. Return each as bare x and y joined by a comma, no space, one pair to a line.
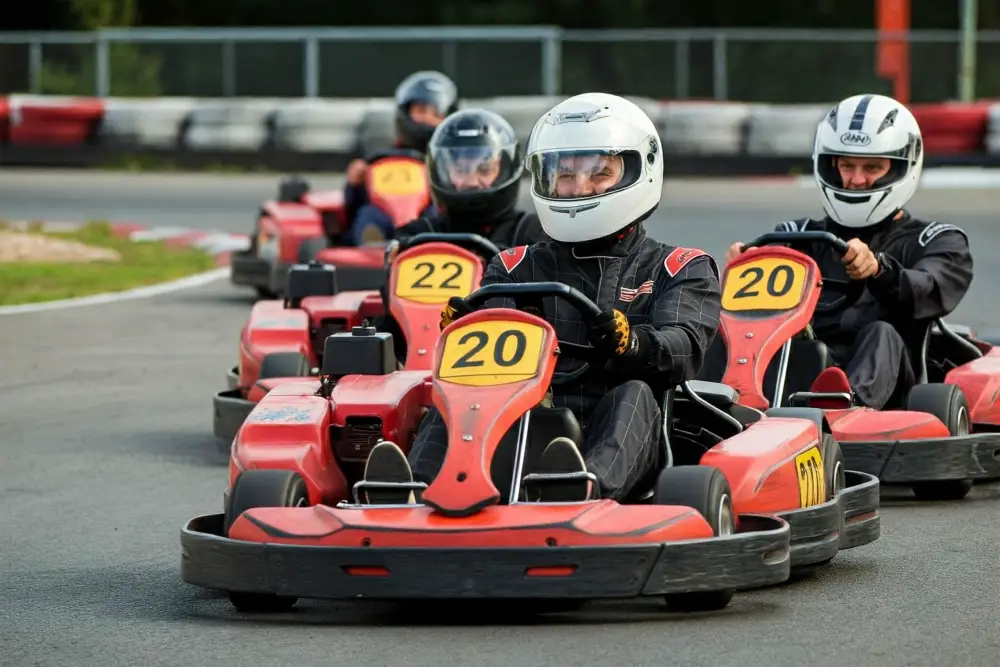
893,53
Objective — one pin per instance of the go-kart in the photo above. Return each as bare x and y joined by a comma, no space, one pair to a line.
943,438
303,226
283,340
692,534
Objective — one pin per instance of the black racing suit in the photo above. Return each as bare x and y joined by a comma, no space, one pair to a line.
875,332
514,229
674,310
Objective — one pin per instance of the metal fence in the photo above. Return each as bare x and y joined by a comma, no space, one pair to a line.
780,66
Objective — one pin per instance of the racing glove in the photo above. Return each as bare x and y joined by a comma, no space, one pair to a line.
612,336
454,309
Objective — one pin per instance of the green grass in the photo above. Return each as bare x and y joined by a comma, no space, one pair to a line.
142,264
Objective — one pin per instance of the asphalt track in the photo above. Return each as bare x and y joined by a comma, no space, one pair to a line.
106,448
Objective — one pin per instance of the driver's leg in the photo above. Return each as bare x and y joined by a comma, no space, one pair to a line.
371,226
387,463
879,370
621,436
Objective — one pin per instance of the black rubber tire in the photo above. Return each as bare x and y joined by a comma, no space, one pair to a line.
947,403
705,489
284,365
833,473
292,189
263,488
311,247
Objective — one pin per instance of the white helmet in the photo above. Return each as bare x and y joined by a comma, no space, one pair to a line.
866,126
596,167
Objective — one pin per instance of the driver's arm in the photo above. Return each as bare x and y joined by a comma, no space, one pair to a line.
684,322
496,274
934,285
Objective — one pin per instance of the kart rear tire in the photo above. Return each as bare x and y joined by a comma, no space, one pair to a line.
947,403
284,365
264,488
707,490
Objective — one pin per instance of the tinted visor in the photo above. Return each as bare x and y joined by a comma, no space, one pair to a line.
580,174
471,168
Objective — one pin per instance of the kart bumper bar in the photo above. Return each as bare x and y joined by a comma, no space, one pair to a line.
229,411
972,456
849,520
755,557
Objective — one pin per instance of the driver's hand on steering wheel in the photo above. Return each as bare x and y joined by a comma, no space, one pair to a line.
454,309
356,171
612,335
734,251
860,261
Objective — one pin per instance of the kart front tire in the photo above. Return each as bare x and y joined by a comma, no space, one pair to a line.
707,490
264,488
947,403
284,365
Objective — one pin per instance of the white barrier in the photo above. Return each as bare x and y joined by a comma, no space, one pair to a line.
993,131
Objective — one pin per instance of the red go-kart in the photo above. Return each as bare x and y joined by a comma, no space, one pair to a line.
943,438
304,226
284,340
692,534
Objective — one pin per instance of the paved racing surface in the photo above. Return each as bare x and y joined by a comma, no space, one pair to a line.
106,449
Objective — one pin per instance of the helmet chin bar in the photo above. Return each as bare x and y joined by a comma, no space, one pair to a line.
836,199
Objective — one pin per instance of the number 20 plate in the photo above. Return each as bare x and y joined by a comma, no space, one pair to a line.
484,354
434,278
768,283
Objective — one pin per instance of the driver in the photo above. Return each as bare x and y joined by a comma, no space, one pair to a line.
867,161
596,165
423,101
475,166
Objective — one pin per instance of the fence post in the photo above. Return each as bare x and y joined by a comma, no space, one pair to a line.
682,68
229,68
35,67
311,70
552,63
102,65
720,82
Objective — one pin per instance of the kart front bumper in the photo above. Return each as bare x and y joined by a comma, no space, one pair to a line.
849,520
757,556
229,410
975,456
247,269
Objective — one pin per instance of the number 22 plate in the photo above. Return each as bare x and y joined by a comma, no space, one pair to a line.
768,283
484,354
434,278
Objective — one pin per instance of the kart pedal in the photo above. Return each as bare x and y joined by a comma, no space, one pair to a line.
561,475
388,479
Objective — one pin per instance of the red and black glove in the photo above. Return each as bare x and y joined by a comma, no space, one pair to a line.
612,336
454,309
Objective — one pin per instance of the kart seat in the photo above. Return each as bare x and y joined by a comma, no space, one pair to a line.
545,424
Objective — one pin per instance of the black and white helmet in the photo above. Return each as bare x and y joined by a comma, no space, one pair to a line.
868,126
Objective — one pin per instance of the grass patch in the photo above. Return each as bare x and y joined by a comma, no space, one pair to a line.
141,264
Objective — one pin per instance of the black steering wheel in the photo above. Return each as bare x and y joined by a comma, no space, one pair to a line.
528,296
845,287
394,152
473,242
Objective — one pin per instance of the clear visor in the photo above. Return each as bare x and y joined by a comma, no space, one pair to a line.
582,174
472,168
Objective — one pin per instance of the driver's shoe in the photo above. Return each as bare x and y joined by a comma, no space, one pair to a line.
833,380
560,457
387,463
372,235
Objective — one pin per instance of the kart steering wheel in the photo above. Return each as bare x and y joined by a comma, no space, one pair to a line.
529,295
845,287
473,242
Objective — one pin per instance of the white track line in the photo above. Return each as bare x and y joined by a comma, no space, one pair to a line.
196,280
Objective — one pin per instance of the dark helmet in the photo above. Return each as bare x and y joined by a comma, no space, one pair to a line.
431,88
475,165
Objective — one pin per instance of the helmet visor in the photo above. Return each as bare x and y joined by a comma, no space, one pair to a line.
472,168
581,174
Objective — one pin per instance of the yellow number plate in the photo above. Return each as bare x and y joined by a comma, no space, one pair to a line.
396,179
812,483
434,278
769,283
485,354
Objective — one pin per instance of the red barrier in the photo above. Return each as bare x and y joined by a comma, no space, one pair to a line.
4,120
53,121
953,128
